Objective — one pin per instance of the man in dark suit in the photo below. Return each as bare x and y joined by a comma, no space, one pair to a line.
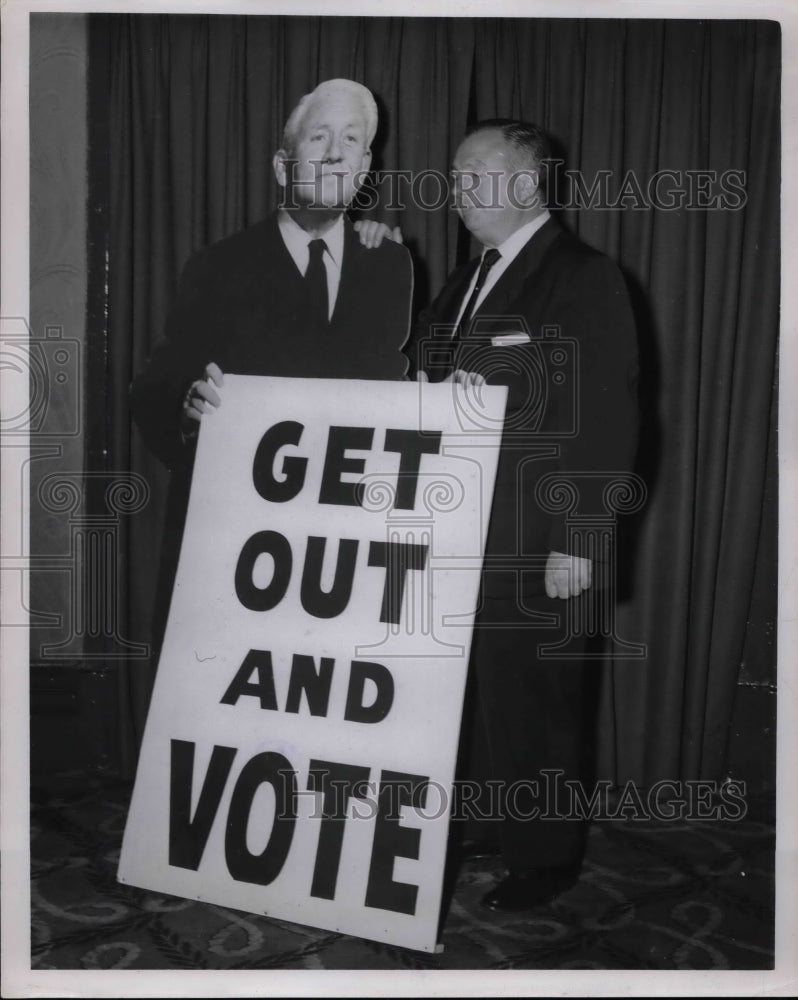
546,315
298,295
274,300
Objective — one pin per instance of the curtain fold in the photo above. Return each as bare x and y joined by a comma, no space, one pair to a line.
196,107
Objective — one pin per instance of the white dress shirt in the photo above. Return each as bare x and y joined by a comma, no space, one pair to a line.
509,250
297,242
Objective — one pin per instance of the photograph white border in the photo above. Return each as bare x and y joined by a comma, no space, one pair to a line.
18,980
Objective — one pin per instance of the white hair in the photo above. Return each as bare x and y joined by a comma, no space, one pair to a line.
332,88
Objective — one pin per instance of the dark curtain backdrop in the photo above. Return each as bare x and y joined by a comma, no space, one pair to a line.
196,107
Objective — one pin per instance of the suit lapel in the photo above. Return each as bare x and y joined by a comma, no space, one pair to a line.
268,265
511,284
454,292
350,266
272,248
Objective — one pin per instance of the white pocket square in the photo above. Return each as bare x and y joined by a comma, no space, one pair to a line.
509,339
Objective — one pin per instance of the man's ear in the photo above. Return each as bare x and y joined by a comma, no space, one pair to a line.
279,166
527,188
365,163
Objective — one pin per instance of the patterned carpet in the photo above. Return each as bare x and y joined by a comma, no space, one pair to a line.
653,895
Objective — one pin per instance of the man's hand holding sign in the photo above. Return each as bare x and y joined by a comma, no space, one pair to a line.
202,396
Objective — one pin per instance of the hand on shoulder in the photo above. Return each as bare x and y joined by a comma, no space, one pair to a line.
372,233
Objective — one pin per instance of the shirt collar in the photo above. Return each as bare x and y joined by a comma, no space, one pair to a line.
515,242
297,240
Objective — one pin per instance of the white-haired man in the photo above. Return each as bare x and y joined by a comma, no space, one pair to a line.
297,295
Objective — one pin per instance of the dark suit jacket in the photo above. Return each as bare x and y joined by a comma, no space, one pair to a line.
242,304
572,404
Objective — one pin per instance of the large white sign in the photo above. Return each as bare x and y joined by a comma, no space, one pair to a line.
300,747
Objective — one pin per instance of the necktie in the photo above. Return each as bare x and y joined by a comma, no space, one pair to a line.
489,258
316,281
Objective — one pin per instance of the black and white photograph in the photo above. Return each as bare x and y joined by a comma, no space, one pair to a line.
397,499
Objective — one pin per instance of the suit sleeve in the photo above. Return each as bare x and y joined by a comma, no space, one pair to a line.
429,347
156,395
597,316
